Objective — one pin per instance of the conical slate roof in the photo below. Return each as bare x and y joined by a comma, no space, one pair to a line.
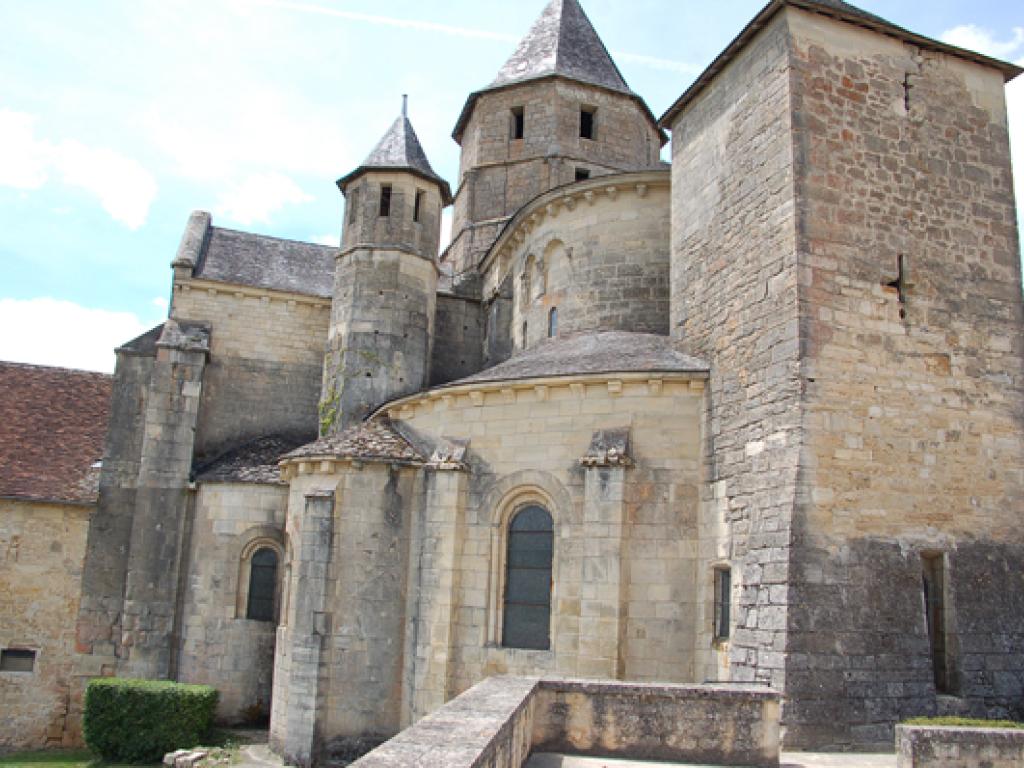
399,150
562,42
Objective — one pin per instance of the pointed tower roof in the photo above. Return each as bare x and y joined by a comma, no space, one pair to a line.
399,150
562,42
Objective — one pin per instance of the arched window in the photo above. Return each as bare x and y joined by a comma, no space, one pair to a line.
553,323
262,585
527,616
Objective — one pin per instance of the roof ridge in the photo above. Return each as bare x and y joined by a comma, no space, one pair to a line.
259,236
53,368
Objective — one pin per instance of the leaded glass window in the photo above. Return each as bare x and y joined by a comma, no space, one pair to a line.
527,619
262,585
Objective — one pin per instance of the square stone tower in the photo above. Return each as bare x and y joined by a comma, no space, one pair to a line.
845,253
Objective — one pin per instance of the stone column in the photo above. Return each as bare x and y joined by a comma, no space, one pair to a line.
172,411
310,627
434,597
604,514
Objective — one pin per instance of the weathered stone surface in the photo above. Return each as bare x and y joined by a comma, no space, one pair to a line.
922,746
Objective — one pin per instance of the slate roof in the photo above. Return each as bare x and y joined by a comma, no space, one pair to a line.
259,261
400,150
839,10
254,462
562,42
53,422
376,439
590,353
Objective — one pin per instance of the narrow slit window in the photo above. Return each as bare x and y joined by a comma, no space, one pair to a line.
385,200
17,660
417,205
524,333
262,585
582,174
900,284
553,323
352,205
723,597
527,604
588,123
517,123
936,608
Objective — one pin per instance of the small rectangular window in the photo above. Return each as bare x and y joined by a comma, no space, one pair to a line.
17,660
385,200
723,597
517,123
588,123
582,174
417,204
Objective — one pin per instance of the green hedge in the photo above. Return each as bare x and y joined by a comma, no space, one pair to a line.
141,720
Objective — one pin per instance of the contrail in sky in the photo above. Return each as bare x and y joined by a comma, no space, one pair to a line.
446,29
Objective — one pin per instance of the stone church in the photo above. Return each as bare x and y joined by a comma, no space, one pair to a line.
754,415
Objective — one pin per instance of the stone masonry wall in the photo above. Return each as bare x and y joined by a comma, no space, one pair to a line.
42,547
364,225
265,366
913,382
734,302
498,174
458,339
352,683
625,572
382,324
598,254
219,645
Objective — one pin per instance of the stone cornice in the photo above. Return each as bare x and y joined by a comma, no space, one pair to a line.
214,287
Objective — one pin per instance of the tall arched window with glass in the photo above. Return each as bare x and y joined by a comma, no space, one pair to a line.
526,621
262,585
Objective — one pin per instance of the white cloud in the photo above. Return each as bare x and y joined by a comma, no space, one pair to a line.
983,41
332,240
124,188
160,302
55,332
446,229
259,196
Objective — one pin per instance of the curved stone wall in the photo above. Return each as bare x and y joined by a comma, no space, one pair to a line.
590,256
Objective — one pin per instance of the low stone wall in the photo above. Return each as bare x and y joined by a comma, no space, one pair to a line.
497,723
928,746
488,726
724,725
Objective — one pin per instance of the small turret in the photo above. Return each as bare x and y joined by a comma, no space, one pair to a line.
385,279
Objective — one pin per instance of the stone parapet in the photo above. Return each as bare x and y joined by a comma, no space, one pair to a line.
927,746
501,720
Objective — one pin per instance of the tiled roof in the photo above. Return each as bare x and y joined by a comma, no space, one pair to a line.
562,41
53,422
376,439
254,462
400,150
242,258
839,10
589,353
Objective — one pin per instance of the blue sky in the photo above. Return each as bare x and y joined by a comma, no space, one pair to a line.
119,117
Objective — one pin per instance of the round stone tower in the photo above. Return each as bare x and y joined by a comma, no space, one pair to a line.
385,280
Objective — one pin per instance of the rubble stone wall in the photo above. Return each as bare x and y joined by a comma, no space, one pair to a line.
42,547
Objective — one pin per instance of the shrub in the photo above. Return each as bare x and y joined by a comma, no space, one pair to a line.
963,722
140,720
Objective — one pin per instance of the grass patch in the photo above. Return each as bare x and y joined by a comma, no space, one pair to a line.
59,758
963,722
